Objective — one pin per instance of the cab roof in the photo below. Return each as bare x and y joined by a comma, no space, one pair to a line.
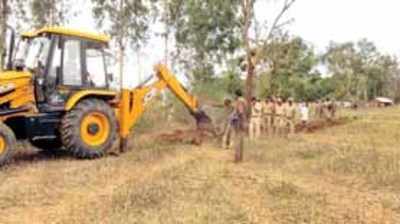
68,32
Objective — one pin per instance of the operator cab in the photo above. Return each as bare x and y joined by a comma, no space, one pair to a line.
62,62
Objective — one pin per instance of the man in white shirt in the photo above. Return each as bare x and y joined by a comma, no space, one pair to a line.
255,119
304,113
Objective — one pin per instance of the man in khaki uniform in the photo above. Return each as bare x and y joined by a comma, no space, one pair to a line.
269,111
330,109
255,119
279,121
290,115
313,110
319,109
228,132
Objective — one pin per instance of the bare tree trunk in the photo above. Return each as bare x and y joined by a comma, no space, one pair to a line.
139,65
166,34
253,55
249,80
52,13
166,53
3,24
121,50
121,59
247,7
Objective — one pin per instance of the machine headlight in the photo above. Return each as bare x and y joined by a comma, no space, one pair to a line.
7,88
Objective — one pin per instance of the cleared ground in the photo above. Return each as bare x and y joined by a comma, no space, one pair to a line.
343,174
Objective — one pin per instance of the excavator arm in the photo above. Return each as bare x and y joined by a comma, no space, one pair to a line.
132,103
165,75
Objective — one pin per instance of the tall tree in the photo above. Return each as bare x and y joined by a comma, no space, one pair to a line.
4,13
254,48
127,21
206,33
50,12
291,64
8,10
361,69
169,9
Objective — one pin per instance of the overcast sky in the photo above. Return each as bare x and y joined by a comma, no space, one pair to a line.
317,21
321,21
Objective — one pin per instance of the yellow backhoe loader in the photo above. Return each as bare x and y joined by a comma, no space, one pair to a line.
55,92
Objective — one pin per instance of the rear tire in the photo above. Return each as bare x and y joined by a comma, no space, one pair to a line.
7,144
89,130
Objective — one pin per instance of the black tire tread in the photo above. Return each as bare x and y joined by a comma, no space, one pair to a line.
11,142
70,134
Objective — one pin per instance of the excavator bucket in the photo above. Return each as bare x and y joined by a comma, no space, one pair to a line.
201,118
203,122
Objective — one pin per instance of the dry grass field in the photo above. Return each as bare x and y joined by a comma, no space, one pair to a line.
343,174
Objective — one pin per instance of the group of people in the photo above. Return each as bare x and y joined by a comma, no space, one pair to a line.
274,117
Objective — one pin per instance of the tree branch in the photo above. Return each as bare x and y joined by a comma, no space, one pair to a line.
275,25
287,22
286,7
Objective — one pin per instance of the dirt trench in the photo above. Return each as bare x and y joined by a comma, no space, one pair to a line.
198,137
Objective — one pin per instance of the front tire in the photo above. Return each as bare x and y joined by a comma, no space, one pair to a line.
7,144
89,129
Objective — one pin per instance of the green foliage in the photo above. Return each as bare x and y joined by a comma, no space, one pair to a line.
127,20
357,71
206,32
291,70
49,12
231,80
209,36
219,87
361,71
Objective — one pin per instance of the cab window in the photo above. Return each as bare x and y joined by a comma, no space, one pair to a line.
53,75
95,71
72,74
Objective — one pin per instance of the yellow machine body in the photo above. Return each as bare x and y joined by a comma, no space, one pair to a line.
21,105
67,32
16,90
81,94
132,105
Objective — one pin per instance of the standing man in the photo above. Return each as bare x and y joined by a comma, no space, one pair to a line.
237,120
326,109
304,114
269,111
255,119
319,108
228,131
331,109
290,117
279,121
313,109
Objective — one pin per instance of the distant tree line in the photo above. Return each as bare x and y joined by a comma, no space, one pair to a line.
345,71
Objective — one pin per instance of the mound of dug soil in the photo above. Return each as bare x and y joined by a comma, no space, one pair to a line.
317,125
197,137
191,136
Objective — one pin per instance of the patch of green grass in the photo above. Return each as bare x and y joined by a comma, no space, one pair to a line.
380,169
177,195
311,153
291,204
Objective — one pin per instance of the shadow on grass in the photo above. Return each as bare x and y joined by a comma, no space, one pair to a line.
35,156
